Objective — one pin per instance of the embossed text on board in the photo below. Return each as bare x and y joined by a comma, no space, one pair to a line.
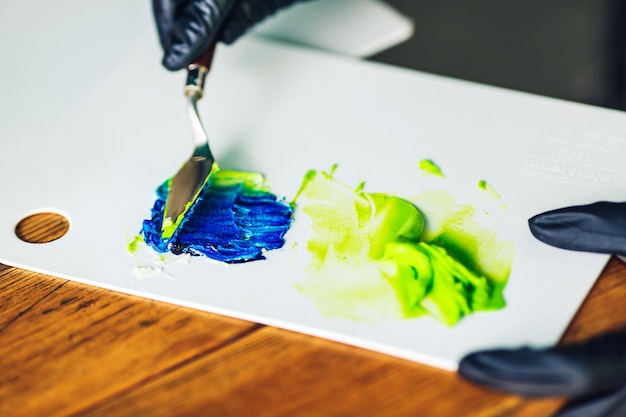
579,156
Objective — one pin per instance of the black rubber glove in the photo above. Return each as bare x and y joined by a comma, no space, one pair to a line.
187,27
598,227
593,373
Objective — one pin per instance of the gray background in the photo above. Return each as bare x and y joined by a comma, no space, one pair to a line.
568,49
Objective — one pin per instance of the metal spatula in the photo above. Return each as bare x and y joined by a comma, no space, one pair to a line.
185,186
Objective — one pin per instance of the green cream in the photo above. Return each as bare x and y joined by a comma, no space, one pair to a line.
458,228
133,245
376,257
428,166
486,187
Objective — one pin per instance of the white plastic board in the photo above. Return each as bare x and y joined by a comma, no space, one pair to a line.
282,111
351,27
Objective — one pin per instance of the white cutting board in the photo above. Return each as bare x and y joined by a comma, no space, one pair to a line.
350,27
282,111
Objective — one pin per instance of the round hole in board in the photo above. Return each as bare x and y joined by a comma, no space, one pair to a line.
42,227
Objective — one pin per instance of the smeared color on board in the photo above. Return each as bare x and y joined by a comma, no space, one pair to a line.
236,219
371,259
427,165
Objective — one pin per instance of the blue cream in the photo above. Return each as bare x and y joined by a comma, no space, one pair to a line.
235,220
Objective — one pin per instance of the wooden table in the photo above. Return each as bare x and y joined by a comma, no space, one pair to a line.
72,349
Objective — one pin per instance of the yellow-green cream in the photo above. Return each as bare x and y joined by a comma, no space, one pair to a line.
373,260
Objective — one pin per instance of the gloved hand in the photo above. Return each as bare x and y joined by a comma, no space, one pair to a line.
187,27
592,373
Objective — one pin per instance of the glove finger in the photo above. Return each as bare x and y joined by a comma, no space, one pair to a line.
525,371
164,13
609,404
193,27
575,370
246,14
598,227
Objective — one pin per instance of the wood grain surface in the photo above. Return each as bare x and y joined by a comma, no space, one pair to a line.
68,349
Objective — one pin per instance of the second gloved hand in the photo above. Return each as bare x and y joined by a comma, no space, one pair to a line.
187,27
599,227
592,373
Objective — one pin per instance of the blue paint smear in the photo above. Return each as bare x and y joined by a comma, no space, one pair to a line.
231,222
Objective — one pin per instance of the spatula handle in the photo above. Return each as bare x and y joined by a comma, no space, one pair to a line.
206,58
197,72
